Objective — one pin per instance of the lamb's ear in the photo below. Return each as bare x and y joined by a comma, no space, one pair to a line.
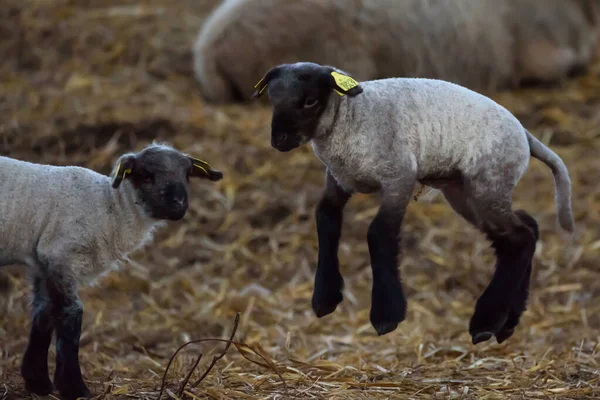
125,167
262,84
202,169
343,84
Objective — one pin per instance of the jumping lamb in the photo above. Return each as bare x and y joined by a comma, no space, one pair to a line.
69,225
385,136
480,44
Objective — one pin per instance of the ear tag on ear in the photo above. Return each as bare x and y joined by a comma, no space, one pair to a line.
118,177
125,172
260,86
201,164
344,82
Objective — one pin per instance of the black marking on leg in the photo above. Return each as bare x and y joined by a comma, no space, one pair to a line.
388,304
329,282
34,368
519,304
514,251
68,314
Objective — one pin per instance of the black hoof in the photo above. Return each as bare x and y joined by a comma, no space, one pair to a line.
384,328
504,334
323,306
327,293
482,337
388,308
386,317
41,387
488,320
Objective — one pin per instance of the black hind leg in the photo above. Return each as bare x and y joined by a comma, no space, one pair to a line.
514,236
514,244
519,304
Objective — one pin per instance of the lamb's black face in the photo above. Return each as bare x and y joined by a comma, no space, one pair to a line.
161,179
298,97
299,94
160,176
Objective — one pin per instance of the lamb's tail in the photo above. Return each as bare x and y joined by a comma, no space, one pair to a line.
561,180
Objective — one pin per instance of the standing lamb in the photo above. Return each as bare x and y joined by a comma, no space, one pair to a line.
480,44
385,136
70,224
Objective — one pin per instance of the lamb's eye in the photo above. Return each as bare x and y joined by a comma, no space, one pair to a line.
310,102
147,178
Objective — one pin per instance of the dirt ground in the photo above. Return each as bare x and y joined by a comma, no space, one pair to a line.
83,81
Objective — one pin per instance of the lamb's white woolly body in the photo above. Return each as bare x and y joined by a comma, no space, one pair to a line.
67,220
387,135
432,127
70,225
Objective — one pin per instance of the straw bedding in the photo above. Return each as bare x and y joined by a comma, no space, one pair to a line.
84,81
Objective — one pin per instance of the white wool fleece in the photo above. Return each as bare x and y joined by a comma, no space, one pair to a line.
69,215
401,130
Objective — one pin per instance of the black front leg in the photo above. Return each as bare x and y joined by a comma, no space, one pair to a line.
68,314
388,304
328,280
34,368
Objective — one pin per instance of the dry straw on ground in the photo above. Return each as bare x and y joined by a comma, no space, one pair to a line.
83,81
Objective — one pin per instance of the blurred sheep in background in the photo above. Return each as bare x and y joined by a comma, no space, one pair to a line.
482,44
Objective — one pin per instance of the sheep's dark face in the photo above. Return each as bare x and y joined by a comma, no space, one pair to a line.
160,176
299,94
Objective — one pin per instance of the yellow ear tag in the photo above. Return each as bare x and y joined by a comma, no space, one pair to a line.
262,89
201,164
202,168
344,82
127,171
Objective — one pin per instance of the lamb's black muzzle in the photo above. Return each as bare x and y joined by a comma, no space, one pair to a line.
285,131
284,142
175,203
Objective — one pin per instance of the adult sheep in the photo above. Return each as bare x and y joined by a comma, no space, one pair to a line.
481,44
385,136
68,225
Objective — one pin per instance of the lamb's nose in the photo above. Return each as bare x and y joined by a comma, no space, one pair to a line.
176,195
178,201
279,139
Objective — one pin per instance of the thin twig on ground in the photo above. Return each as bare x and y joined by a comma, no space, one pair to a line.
239,346
212,364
